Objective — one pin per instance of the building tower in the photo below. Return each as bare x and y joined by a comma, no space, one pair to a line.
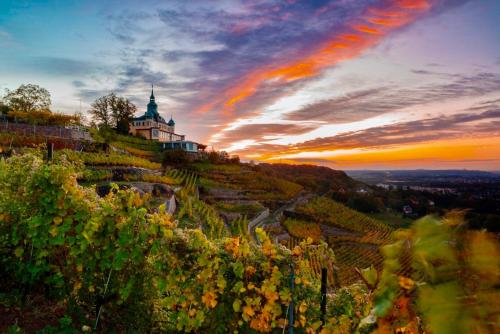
152,110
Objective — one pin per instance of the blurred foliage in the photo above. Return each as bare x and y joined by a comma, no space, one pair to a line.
440,277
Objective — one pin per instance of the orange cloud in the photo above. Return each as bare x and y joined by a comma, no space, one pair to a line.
362,34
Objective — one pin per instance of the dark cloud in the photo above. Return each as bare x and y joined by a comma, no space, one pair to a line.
89,95
78,84
445,127
260,131
64,66
127,24
350,107
371,102
140,73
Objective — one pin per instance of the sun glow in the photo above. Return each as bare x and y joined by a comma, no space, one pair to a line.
463,153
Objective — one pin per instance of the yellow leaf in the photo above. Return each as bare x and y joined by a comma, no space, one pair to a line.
302,320
250,270
302,307
248,310
232,246
168,233
406,283
297,251
209,299
237,305
57,220
53,231
19,251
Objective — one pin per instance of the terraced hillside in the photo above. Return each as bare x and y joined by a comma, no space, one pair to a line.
354,238
316,179
239,190
232,194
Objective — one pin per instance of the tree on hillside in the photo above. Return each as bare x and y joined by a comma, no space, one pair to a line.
122,112
28,98
113,112
4,109
101,111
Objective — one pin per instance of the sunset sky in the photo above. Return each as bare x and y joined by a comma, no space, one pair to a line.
349,84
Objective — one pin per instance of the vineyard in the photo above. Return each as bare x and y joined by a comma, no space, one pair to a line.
326,211
73,261
108,159
249,184
302,230
354,238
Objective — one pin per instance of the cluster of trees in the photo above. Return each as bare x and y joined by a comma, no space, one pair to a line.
31,104
222,157
26,98
112,111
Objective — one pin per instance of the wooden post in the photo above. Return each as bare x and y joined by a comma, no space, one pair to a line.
50,151
324,273
292,285
336,283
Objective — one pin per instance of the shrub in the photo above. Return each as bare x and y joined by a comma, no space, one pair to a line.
44,117
175,157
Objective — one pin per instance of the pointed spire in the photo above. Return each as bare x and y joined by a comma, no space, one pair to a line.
152,97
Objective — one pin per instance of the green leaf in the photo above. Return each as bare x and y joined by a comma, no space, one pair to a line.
238,269
237,305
